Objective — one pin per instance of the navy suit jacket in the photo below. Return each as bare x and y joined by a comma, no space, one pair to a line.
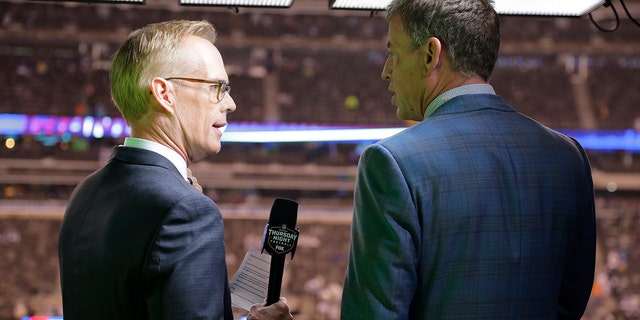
139,242
477,212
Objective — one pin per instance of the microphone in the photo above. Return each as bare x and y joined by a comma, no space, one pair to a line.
280,237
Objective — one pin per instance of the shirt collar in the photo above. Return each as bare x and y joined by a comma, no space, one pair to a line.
164,151
481,88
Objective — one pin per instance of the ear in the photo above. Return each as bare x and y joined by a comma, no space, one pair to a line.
431,51
163,92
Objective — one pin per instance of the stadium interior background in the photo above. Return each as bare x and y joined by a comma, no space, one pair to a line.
304,65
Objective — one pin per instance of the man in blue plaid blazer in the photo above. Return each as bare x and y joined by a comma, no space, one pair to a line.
477,211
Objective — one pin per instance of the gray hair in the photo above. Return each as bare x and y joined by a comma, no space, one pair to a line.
469,29
152,51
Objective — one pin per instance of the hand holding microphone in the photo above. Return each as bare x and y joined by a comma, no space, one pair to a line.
276,311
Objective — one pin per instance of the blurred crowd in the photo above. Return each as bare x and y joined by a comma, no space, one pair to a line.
303,68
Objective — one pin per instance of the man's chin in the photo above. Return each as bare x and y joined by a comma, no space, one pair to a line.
215,149
205,153
402,115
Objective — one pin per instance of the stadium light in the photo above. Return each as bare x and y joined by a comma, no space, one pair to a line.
554,8
96,1
239,3
369,5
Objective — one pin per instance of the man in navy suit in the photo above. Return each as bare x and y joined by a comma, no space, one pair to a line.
138,241
477,211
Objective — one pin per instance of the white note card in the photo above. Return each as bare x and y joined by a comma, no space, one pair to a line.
250,284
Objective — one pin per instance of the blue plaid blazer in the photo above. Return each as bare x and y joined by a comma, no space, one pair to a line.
477,212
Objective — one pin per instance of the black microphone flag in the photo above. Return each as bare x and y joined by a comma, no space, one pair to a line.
280,237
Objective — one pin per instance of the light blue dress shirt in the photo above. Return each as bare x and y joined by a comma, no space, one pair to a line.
448,95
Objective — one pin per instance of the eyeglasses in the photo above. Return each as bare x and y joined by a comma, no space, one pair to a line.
222,87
